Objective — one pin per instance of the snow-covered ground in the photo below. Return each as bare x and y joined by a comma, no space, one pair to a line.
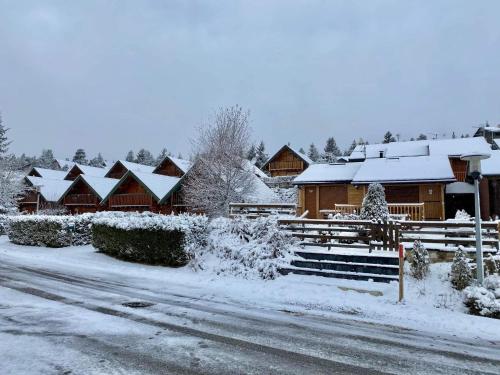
430,306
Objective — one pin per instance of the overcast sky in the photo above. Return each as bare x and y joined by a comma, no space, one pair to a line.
111,76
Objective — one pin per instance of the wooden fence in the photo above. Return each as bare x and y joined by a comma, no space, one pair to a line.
413,211
254,210
371,235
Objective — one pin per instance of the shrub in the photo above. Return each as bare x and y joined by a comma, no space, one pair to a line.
484,300
374,204
492,264
461,273
4,222
50,231
150,238
419,261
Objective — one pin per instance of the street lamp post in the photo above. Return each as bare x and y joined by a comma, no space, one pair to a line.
475,172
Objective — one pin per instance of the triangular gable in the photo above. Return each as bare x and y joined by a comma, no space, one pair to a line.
123,166
180,165
100,186
300,155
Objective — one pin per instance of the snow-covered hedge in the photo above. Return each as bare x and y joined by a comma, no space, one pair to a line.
484,300
150,238
245,248
50,231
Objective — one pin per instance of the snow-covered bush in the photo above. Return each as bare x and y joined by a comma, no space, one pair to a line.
50,231
419,261
340,216
484,300
374,204
492,264
462,215
150,238
286,195
246,248
461,272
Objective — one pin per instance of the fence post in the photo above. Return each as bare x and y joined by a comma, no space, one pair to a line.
384,235
401,268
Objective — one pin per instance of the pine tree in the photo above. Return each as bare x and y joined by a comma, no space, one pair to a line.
389,138
179,156
313,153
130,156
252,153
461,273
98,161
374,204
80,157
162,155
145,157
419,261
302,151
421,137
4,141
46,160
261,156
351,148
453,135
331,151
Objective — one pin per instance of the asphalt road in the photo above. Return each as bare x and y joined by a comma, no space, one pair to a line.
87,330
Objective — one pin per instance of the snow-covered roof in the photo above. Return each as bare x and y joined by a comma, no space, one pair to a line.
50,189
459,188
101,185
328,173
50,173
91,171
296,152
182,164
250,166
262,193
491,166
447,147
65,163
136,167
405,169
159,185
493,129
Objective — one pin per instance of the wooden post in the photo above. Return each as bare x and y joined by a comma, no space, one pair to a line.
401,268
384,235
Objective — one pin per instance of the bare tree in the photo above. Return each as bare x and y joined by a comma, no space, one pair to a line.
220,173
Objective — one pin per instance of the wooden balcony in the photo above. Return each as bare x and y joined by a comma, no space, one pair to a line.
285,165
414,211
80,200
130,200
29,197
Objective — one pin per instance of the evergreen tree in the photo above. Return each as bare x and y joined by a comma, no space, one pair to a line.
389,138
453,135
4,141
302,151
179,156
374,204
419,261
162,155
252,153
80,157
261,156
98,161
313,153
331,151
145,157
461,273
351,148
46,160
130,156
421,137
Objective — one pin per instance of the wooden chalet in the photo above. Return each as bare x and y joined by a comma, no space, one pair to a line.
422,179
174,167
86,193
491,134
78,169
121,167
286,162
42,193
47,173
143,191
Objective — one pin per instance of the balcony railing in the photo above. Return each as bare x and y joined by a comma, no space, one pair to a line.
414,211
29,197
285,165
80,200
130,200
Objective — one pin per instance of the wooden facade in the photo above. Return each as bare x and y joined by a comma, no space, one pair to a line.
73,173
168,168
315,198
117,171
286,162
80,198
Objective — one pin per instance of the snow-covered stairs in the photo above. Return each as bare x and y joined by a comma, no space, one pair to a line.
380,268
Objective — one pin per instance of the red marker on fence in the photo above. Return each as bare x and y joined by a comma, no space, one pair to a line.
401,267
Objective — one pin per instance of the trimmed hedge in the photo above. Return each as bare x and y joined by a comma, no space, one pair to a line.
151,246
50,231
4,224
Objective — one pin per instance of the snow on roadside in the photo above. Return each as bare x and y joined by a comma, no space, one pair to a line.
430,305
